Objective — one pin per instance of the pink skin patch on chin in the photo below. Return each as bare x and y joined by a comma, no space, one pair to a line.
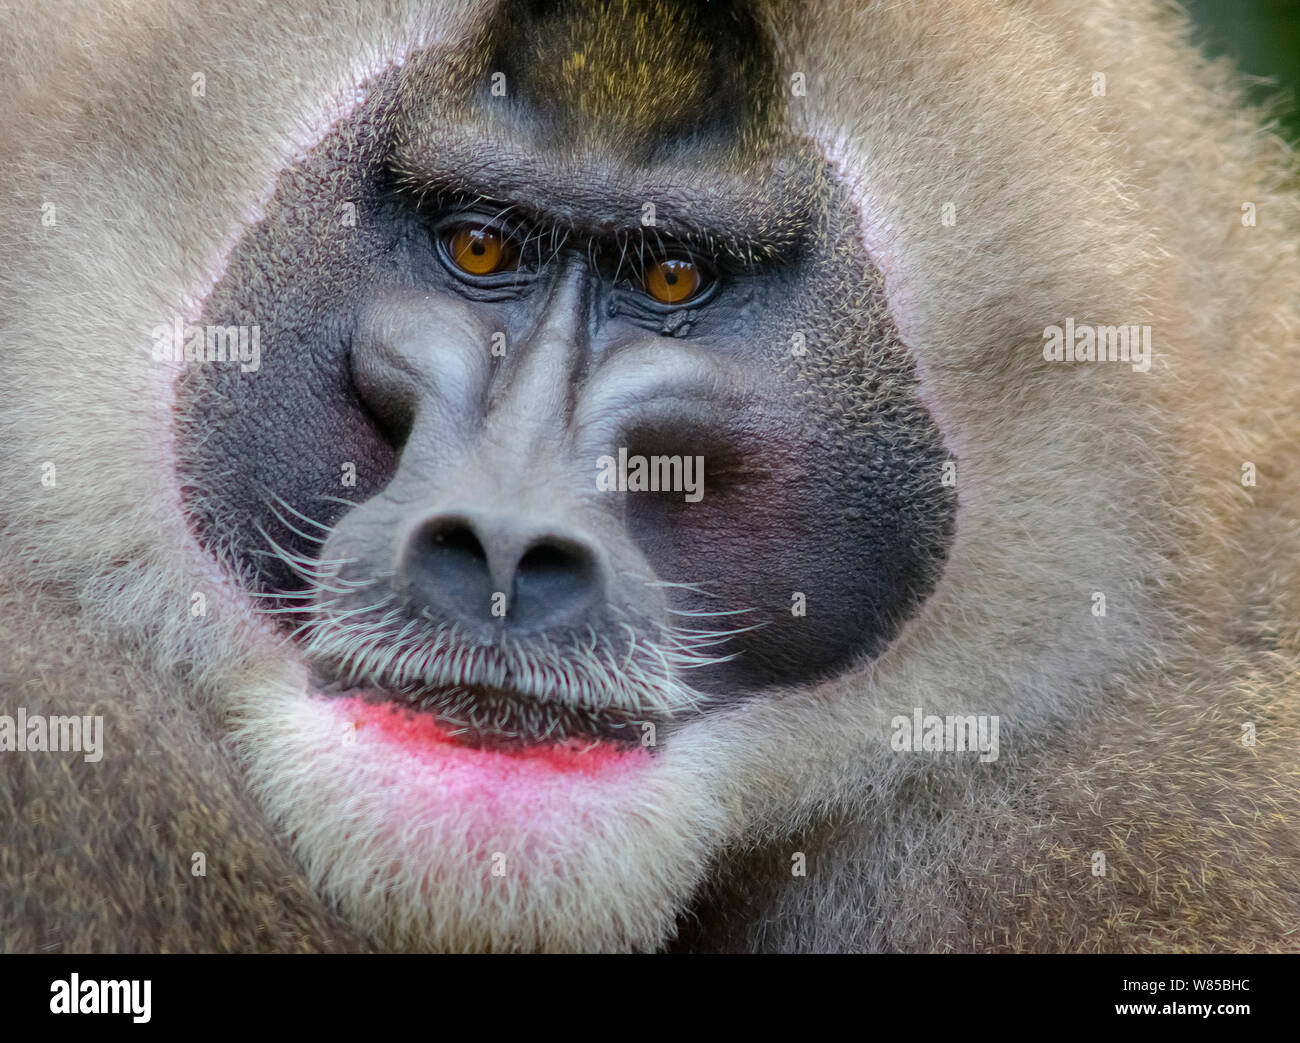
421,736
411,791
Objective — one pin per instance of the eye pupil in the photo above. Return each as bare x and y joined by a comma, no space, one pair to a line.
672,280
480,250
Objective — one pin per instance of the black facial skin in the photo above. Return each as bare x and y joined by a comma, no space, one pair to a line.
475,471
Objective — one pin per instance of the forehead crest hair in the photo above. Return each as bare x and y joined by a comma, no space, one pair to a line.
638,73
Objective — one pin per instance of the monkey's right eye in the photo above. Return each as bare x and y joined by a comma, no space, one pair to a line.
478,250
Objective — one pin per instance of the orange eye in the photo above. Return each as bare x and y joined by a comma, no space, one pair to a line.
477,250
671,280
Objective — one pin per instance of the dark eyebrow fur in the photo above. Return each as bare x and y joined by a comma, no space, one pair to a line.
745,220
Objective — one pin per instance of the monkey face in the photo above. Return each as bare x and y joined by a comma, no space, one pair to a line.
550,462
555,450
539,502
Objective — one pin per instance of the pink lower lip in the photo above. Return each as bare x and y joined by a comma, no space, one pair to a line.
420,735
404,781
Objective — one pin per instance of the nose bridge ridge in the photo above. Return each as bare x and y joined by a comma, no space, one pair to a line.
505,482
507,488
537,390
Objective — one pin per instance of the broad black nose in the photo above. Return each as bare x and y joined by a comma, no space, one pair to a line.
462,564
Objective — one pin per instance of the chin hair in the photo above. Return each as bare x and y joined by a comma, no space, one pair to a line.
590,864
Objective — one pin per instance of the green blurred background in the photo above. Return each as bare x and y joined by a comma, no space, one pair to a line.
1263,38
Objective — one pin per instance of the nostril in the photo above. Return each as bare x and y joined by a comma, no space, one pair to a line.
557,566
448,564
470,568
553,579
455,539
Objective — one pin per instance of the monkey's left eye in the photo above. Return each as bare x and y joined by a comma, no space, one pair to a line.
673,280
477,249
